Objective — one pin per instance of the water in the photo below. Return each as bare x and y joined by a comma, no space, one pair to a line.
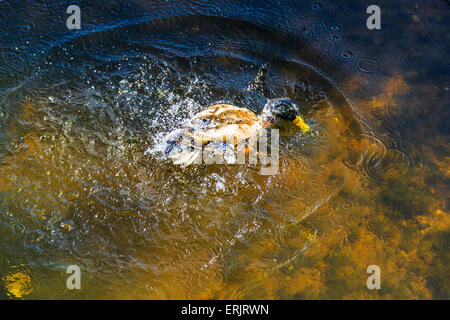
367,186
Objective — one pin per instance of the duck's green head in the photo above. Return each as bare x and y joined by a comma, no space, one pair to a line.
276,111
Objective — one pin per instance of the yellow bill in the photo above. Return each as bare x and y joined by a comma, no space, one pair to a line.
299,122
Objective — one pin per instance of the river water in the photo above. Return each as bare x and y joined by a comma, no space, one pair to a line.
369,185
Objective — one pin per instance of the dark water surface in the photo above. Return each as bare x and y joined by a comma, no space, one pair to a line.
368,186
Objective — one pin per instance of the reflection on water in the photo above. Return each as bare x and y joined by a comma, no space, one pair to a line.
368,185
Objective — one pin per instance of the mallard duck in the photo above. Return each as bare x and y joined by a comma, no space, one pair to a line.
221,127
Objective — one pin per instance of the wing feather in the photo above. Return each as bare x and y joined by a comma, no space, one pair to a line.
217,123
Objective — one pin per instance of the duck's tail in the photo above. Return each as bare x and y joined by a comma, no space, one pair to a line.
180,148
185,154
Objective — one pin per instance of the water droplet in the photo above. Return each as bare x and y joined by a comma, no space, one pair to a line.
347,54
368,65
334,37
445,57
317,5
336,27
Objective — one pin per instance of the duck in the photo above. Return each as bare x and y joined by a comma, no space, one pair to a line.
222,127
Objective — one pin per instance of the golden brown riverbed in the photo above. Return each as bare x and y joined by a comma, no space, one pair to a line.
367,186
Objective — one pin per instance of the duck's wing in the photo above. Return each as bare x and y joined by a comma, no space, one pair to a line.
227,113
225,123
180,148
216,129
